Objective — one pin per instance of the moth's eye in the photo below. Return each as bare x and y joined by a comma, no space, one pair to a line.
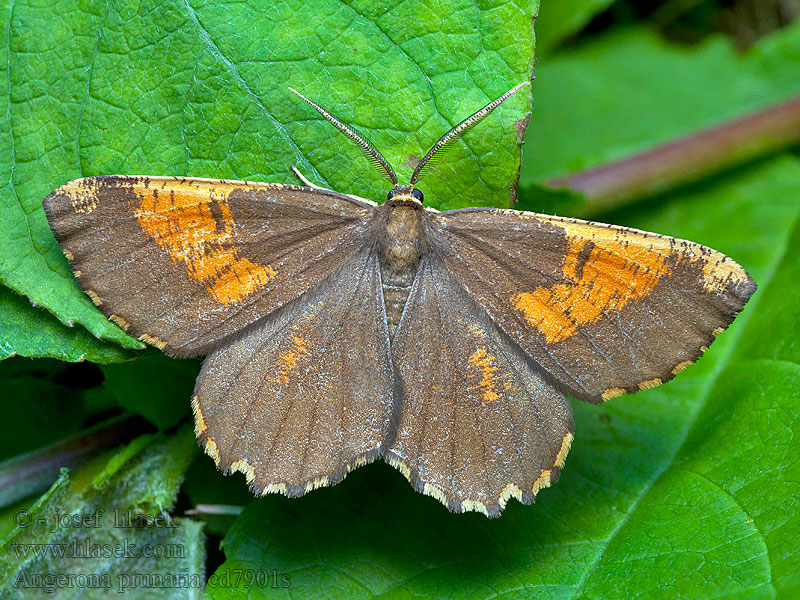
391,194
417,195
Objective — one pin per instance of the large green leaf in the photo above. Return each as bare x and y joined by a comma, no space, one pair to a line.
692,485
44,82
629,89
192,88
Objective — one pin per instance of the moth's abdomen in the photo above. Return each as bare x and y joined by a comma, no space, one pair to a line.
396,288
400,254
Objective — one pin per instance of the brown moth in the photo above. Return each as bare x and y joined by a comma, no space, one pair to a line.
338,331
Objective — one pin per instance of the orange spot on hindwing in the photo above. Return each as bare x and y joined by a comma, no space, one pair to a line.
484,370
288,361
602,274
196,229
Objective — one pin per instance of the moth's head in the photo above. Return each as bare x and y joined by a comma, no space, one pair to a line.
405,193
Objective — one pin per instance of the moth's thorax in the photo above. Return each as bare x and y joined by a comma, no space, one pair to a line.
402,240
401,249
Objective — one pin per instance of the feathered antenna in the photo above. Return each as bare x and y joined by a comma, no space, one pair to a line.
372,154
445,142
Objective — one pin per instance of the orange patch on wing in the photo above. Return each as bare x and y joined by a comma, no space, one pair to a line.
475,331
615,271
489,387
195,228
289,360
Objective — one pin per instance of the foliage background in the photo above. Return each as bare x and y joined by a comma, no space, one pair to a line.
688,490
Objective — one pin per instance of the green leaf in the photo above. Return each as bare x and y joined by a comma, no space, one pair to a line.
659,487
629,90
182,88
559,20
206,485
101,539
156,387
550,200
51,410
709,516
29,331
45,71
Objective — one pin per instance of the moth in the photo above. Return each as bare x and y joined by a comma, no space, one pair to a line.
338,331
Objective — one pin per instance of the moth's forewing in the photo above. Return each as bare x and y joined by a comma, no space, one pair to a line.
480,422
603,309
184,263
302,397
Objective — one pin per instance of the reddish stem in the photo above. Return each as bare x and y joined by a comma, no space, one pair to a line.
686,159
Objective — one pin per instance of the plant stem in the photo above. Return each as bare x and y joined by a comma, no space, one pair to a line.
216,509
33,472
686,159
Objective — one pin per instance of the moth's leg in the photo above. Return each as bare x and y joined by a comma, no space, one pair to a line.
303,178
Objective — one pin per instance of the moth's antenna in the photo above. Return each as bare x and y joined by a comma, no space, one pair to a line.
445,142
375,157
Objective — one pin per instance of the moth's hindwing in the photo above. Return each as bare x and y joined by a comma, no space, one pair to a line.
304,396
183,263
603,309
480,422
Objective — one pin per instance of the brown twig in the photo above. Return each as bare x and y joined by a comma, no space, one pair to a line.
686,159
216,509
35,471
